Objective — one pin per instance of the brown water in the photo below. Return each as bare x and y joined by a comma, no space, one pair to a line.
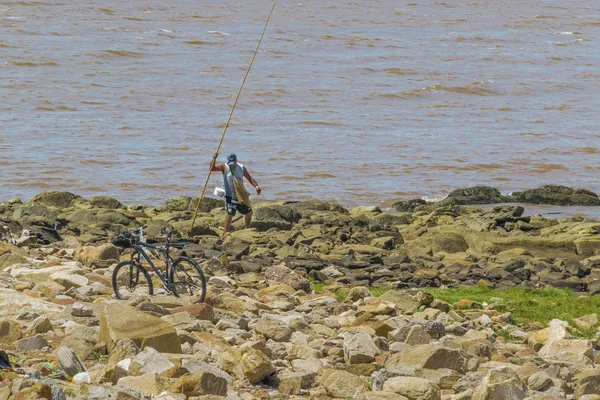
359,102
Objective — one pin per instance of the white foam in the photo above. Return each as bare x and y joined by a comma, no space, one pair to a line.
433,199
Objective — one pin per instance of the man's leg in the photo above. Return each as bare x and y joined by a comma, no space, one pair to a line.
248,219
227,223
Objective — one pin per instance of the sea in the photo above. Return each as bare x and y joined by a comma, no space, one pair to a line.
358,102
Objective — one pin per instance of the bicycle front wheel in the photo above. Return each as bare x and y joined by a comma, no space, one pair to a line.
131,280
188,281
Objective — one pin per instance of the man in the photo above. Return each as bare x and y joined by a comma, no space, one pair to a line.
232,171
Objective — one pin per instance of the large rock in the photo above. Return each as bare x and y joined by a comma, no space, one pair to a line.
449,242
54,199
41,275
150,384
87,219
500,384
413,388
344,384
69,362
572,351
587,382
431,356
8,259
119,321
558,195
359,348
403,301
474,195
150,360
106,202
12,302
199,384
10,331
272,329
94,254
81,339
256,365
278,274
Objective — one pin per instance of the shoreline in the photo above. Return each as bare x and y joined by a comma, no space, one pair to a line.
314,301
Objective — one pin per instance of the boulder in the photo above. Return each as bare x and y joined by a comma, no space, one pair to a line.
69,362
105,202
359,348
474,195
587,382
278,274
8,259
54,199
403,301
119,321
10,331
431,356
33,343
272,329
199,384
256,365
344,384
95,254
572,351
413,388
499,384
150,384
449,242
557,195
150,360
41,275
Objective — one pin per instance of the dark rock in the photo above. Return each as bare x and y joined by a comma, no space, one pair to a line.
475,195
187,203
408,205
557,195
106,202
54,199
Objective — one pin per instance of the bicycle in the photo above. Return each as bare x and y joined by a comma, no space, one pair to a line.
183,277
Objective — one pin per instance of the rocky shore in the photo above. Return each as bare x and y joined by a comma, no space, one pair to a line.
315,301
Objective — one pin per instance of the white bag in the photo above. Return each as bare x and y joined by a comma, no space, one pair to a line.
219,192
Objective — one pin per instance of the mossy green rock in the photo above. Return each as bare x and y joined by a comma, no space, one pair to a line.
106,202
558,195
54,199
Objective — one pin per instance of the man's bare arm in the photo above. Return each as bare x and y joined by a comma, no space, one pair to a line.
252,181
215,166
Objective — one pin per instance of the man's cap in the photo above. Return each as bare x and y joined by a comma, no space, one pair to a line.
231,158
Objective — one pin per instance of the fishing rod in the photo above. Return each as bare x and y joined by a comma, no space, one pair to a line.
212,163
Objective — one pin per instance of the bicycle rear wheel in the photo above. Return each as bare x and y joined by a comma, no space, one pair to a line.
130,280
187,280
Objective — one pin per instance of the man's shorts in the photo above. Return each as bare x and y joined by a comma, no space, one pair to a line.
231,206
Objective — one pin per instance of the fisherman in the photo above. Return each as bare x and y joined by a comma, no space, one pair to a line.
236,196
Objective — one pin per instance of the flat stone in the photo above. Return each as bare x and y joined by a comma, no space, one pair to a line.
69,362
36,342
119,321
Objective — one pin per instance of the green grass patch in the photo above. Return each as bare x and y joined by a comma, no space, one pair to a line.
527,305
318,287
378,291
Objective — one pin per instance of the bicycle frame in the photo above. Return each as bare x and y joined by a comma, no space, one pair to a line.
139,250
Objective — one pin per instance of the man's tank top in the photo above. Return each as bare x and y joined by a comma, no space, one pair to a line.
228,175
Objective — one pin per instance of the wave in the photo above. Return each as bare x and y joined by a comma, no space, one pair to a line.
325,123
117,53
398,71
197,42
32,64
476,88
